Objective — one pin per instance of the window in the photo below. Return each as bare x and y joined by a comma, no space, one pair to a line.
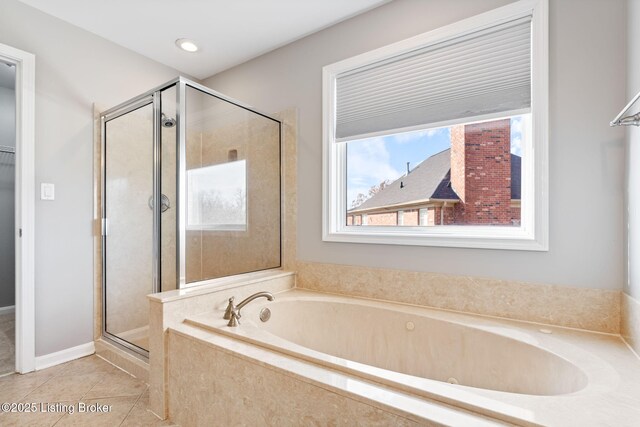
217,197
441,139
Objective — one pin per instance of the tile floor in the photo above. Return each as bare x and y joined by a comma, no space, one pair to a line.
87,381
7,343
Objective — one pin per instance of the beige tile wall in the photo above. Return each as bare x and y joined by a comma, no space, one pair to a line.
241,387
211,254
591,309
630,322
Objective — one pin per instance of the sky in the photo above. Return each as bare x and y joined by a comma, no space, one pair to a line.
373,160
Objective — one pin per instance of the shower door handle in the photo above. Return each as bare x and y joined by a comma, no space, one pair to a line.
165,204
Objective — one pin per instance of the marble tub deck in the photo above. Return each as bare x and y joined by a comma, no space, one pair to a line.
90,380
611,397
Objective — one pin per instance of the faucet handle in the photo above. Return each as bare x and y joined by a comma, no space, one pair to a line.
234,318
230,308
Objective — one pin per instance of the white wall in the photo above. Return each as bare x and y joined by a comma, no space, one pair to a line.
587,54
633,153
73,70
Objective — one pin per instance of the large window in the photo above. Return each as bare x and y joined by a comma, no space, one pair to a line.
441,139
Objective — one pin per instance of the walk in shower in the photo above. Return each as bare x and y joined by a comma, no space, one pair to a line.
191,191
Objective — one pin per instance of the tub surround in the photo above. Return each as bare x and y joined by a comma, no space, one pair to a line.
254,386
610,387
168,309
630,324
590,309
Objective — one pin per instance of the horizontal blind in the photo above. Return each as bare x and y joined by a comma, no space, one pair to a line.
484,72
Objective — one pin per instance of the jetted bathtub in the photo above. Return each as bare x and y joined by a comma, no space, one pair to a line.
501,368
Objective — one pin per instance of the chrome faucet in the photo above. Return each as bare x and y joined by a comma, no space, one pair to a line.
232,313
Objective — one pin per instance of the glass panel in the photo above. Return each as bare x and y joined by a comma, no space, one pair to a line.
129,242
232,189
168,141
467,174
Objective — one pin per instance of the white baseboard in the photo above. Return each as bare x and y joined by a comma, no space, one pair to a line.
62,356
10,309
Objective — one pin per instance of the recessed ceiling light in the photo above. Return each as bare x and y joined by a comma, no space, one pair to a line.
187,45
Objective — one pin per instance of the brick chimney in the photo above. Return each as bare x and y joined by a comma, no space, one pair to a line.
481,172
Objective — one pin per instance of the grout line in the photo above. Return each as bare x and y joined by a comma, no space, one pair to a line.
630,347
134,405
121,369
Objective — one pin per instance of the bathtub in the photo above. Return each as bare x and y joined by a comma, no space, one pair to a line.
517,372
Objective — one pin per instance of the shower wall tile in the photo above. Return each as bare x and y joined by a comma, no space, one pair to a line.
630,322
217,253
590,309
289,120
97,215
168,250
129,243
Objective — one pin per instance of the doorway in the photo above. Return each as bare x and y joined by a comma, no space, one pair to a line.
7,216
17,164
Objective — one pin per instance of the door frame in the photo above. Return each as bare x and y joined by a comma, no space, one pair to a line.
24,226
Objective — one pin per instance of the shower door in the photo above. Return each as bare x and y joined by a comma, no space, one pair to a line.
128,224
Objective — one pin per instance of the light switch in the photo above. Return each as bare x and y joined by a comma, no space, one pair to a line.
47,191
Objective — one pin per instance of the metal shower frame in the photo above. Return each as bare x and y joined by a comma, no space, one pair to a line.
153,97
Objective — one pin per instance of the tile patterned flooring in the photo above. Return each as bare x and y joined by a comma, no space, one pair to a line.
87,381
7,343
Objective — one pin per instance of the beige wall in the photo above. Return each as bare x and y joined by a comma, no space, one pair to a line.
74,69
587,48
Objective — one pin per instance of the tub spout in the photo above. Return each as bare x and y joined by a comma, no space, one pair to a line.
233,311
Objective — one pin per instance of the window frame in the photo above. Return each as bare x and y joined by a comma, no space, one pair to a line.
533,232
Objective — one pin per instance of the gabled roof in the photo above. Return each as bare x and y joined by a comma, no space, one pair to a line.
430,180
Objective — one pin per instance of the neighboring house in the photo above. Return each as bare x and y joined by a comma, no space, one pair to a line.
476,181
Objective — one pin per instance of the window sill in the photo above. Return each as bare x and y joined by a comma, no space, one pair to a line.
505,238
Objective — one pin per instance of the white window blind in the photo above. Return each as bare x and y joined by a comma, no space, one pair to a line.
480,73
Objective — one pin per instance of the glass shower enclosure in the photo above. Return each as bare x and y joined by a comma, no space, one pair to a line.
190,192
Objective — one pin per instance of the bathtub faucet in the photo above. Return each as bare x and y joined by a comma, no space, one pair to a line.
232,313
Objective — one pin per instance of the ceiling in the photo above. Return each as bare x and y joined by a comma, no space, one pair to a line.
228,32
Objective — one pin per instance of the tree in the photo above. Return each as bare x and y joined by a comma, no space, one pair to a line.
375,189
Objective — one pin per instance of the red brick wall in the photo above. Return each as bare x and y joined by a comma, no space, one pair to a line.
410,217
487,173
515,215
390,218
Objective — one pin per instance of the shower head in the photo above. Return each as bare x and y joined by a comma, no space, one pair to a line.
167,122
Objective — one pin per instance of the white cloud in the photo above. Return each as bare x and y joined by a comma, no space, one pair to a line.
517,127
405,137
516,146
368,164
